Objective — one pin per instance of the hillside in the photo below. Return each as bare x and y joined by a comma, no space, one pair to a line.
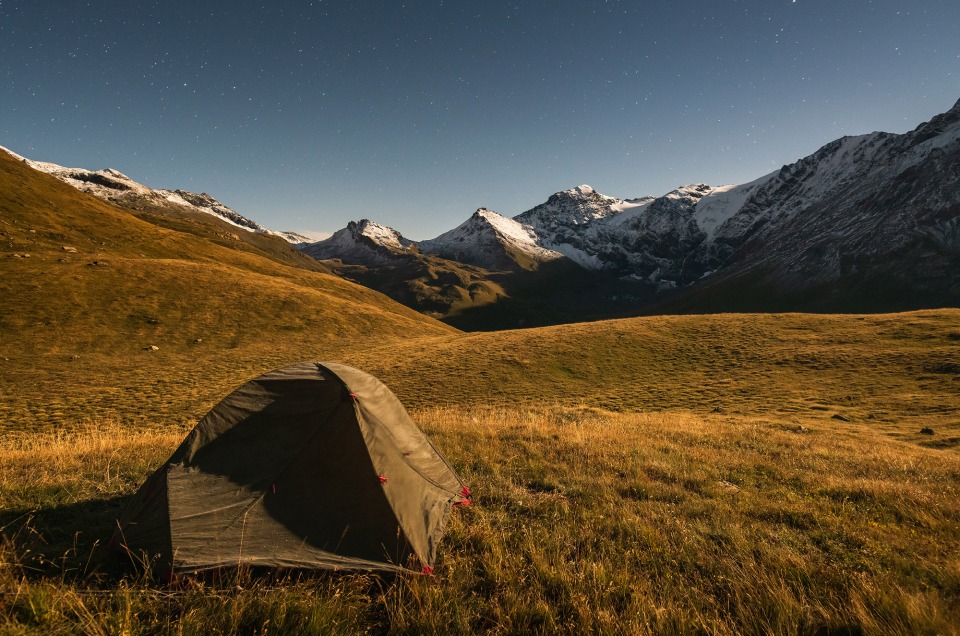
87,316
88,284
198,214
874,369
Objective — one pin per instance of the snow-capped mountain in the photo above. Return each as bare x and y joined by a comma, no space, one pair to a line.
858,204
364,243
872,212
491,241
574,208
568,222
634,237
875,213
116,187
380,257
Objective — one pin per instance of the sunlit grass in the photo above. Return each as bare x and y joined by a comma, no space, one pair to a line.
583,520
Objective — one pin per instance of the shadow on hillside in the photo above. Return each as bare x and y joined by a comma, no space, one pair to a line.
557,293
67,542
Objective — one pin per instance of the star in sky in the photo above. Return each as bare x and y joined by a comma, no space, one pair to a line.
415,114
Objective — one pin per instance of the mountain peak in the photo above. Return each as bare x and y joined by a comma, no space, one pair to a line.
491,240
569,208
362,242
379,234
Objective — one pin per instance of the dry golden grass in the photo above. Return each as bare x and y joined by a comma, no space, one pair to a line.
584,521
678,522
60,467
897,372
885,366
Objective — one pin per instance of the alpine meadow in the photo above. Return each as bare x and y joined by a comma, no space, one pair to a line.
727,473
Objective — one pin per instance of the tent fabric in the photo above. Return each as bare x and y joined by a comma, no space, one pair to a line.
315,465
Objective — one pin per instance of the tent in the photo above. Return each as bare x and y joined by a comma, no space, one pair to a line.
315,465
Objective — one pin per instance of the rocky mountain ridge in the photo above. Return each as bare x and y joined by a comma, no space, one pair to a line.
116,187
363,242
863,212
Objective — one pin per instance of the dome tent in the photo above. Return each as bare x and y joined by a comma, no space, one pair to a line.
314,465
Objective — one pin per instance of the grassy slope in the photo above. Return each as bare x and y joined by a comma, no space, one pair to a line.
224,234
609,495
874,367
148,266
584,521
660,516
432,285
75,324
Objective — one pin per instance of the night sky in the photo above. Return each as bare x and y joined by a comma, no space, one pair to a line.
305,115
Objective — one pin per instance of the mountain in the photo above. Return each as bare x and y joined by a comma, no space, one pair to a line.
381,258
875,216
492,241
180,210
568,220
865,223
485,274
363,243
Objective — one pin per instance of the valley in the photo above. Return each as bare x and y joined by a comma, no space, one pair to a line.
721,473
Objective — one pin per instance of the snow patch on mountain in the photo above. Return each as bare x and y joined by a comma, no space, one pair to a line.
581,257
383,235
513,231
361,243
628,210
721,203
116,187
491,240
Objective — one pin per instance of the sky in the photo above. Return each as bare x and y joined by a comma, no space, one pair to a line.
304,115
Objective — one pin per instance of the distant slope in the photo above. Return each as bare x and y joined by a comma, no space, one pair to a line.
464,294
871,369
505,281
380,258
867,223
80,275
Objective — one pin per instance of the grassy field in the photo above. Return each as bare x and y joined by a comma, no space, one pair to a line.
584,521
653,475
